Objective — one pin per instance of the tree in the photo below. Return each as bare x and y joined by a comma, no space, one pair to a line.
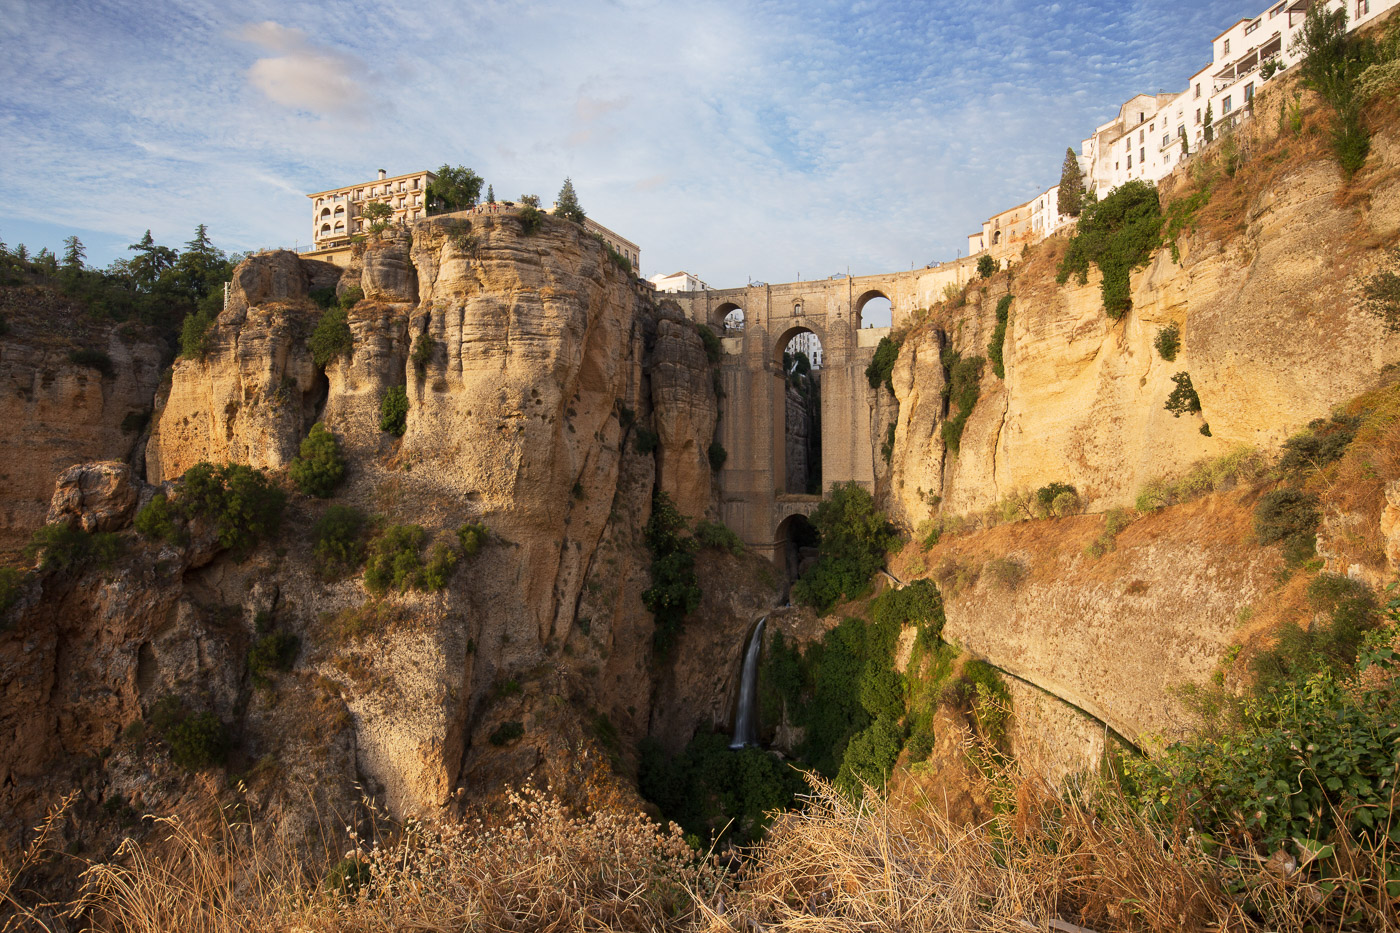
986,266
150,262
490,194
1210,124
1071,185
1332,61
377,213
566,204
73,254
1185,146
454,189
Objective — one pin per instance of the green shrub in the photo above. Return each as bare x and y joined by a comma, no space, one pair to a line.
854,539
1006,573
1289,516
717,456
1183,399
319,468
1055,500
11,583
881,367
324,297
713,349
996,346
1241,465
338,540
506,733
717,536
348,877
156,519
1381,292
919,604
351,296
983,691
442,560
1345,612
422,355
331,338
394,560
1180,216
195,741
92,359
239,500
962,391
273,652
986,266
531,219
645,440
1324,442
194,335
393,411
675,590
1168,341
64,547
887,445
1118,234
471,537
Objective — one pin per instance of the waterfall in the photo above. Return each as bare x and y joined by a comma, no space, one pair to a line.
746,716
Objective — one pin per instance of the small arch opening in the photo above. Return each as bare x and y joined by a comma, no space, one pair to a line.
874,309
734,322
724,312
802,437
797,541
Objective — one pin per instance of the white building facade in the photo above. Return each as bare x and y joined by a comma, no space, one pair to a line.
677,282
336,214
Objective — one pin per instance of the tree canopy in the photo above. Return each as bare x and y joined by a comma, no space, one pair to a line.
454,189
567,205
1071,185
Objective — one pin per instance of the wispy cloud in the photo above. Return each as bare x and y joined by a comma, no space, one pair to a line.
734,138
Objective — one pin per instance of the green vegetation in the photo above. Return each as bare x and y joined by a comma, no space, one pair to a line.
1290,517
1181,214
332,338
320,467
1168,341
717,536
887,445
194,335
379,215
275,651
395,558
422,354
717,455
854,539
1115,520
531,219
674,592
882,363
713,349
1333,60
454,189
1241,465
1071,185
338,540
92,359
156,520
61,546
986,266
347,877
393,411
645,440
1055,500
506,733
198,740
1324,442
1117,234
242,504
566,205
470,537
11,582
996,346
1183,399
1381,292
961,392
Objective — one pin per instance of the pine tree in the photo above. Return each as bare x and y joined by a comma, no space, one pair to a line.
1071,185
1210,121
566,204
73,254
490,194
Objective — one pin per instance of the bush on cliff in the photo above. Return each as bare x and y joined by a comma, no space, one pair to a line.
961,392
156,519
996,346
319,467
986,266
393,411
194,335
62,546
242,504
11,582
331,338
854,539
394,560
882,363
338,540
1290,517
675,591
1117,234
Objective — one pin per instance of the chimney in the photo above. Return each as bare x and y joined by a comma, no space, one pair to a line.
382,174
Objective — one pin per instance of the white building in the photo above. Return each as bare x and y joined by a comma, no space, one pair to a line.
336,213
677,282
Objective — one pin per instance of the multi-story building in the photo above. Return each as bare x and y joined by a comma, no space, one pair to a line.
1004,234
625,247
336,214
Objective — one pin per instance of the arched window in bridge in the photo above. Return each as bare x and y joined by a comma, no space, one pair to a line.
802,453
734,321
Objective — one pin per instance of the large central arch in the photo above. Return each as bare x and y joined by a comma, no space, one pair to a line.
798,439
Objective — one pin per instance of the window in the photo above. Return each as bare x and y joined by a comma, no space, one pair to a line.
1225,105
1142,155
1142,136
1166,140
1198,115
1115,166
1152,127
1198,91
1249,91
1251,27
1276,11
1227,48
1363,7
1130,163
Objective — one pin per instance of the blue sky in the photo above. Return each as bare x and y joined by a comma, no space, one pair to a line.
736,140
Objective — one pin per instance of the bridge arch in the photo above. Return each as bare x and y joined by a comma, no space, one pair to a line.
781,344
795,542
881,309
722,313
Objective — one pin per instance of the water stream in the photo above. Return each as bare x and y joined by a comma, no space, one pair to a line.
746,716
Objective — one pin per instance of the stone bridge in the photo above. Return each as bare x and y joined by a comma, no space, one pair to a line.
752,427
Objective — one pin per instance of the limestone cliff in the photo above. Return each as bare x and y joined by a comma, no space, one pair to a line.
60,412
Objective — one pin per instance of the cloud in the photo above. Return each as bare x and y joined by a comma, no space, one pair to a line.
304,77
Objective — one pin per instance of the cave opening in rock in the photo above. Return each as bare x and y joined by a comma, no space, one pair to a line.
801,373
313,399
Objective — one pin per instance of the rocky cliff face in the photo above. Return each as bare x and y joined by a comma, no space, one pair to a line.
62,412
540,363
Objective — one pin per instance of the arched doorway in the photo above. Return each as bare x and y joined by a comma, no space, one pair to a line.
796,541
874,309
724,313
734,322
800,443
